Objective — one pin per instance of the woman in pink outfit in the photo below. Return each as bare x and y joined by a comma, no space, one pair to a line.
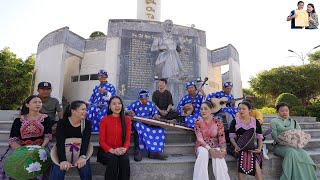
211,142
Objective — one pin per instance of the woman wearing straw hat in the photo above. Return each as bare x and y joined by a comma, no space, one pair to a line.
73,133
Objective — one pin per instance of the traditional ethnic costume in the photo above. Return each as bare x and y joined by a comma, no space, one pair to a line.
150,138
209,136
197,101
25,131
229,111
297,164
247,159
98,107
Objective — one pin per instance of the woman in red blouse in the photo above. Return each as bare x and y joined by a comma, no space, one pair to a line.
115,131
211,142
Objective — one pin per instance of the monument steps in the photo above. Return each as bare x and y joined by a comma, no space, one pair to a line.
180,147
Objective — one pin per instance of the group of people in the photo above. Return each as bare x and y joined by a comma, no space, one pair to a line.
312,16
105,113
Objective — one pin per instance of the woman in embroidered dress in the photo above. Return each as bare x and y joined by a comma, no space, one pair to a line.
250,161
31,128
73,125
296,164
211,142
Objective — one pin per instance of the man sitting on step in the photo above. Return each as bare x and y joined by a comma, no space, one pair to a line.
230,110
146,138
50,105
189,105
162,98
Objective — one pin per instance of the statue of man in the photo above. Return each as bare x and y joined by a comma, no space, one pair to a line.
168,62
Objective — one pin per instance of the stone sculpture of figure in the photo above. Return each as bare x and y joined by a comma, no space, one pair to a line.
168,63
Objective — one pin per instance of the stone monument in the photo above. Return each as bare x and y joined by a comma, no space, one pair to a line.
71,62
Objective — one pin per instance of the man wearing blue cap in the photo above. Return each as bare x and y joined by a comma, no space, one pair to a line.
98,102
146,138
230,105
189,105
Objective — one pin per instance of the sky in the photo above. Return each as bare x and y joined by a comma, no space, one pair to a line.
257,29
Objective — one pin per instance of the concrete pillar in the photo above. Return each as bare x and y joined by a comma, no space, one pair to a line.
149,10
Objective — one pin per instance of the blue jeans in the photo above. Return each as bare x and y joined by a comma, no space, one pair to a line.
84,172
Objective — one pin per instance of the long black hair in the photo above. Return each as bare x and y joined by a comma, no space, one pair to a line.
74,105
25,109
122,116
314,10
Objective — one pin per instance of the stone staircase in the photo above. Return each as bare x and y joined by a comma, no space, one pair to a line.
180,147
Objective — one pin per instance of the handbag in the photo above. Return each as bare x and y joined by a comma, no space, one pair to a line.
294,138
247,141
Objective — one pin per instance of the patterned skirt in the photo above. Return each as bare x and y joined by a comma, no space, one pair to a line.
247,162
94,114
151,138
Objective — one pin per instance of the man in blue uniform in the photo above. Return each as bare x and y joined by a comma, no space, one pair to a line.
146,138
98,102
191,100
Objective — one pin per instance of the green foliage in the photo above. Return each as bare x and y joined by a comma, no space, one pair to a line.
302,81
267,110
314,57
293,101
16,77
97,34
314,109
259,101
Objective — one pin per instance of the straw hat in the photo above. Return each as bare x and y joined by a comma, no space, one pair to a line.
74,144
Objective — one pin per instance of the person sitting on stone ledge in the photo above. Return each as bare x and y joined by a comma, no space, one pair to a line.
245,131
162,98
211,142
297,163
189,105
230,108
50,105
258,116
98,102
31,128
146,138
114,140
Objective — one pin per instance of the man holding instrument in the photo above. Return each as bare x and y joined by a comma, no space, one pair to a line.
162,98
98,102
230,104
146,138
189,105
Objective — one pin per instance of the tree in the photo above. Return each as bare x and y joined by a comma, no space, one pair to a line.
16,76
314,57
97,34
302,81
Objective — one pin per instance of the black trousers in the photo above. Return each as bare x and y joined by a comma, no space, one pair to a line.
117,167
171,115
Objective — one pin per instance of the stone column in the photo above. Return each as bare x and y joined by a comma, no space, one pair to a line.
149,10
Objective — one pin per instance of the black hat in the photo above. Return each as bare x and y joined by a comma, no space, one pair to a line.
43,85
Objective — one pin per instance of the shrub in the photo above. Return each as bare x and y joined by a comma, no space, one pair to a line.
296,106
314,108
267,110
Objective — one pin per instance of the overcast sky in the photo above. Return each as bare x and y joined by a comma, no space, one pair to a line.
257,29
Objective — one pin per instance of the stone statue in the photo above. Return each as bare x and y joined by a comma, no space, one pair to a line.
168,65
